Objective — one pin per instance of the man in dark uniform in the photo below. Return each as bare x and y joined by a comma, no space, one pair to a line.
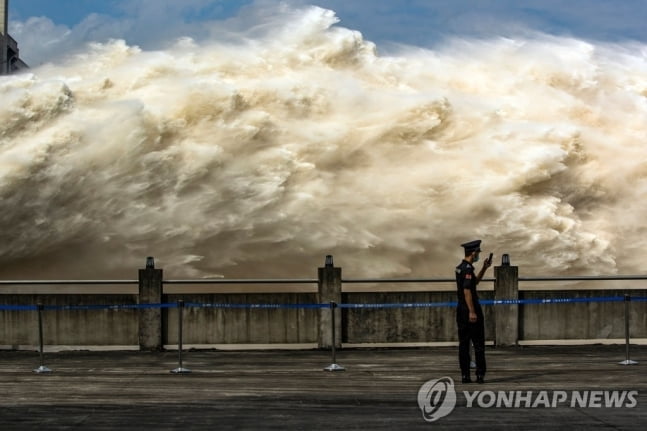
469,316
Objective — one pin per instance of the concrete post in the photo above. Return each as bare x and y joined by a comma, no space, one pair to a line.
329,290
506,317
150,319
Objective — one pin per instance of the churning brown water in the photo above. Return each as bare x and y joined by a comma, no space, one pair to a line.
257,158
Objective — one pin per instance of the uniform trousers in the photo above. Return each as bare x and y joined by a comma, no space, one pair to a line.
471,333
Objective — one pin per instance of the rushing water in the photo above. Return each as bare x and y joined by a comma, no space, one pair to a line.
260,156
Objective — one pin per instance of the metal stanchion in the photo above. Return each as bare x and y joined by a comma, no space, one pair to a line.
334,366
180,369
472,355
42,368
627,361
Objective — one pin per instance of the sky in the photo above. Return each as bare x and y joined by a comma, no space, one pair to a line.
46,29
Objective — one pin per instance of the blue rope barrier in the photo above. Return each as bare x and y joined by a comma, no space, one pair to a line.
319,306
272,306
106,307
401,305
550,300
18,307
149,306
489,302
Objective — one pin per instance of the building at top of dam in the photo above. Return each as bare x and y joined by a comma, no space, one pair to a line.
9,54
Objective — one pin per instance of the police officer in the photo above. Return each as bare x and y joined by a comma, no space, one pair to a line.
469,316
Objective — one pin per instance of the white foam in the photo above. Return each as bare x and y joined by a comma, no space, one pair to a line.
259,157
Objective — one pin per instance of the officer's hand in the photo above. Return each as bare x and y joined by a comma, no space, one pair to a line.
473,317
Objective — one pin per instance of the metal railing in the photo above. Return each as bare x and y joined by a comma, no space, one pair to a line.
586,278
64,282
314,280
244,281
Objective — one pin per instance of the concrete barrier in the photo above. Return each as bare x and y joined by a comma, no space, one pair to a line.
153,328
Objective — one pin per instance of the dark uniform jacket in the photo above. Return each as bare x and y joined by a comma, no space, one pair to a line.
466,279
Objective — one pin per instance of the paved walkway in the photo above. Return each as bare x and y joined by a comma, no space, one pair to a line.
289,390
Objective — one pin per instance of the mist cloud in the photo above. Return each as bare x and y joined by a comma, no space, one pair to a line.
293,139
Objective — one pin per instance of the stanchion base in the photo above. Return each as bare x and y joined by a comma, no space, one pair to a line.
42,369
628,362
334,367
181,370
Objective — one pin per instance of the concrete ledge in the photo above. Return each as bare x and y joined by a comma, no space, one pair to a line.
605,341
57,348
270,346
405,345
311,346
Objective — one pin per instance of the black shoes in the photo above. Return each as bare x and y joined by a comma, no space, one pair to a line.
465,378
